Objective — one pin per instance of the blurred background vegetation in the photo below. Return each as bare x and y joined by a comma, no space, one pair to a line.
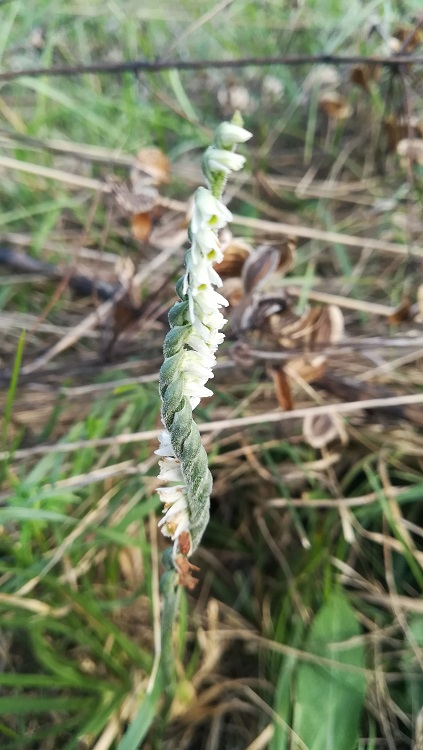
306,628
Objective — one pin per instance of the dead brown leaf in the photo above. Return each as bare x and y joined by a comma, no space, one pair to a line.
282,388
141,225
235,253
335,105
151,167
321,429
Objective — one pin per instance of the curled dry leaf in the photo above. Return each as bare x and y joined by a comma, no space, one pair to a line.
363,75
321,429
266,260
151,167
235,253
317,326
402,312
255,311
335,105
410,148
304,368
132,202
309,368
262,262
401,127
408,38
282,388
141,225
329,326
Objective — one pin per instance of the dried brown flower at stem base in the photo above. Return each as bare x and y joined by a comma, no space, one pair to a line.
185,542
185,568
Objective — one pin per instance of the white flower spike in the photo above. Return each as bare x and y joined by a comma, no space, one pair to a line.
189,350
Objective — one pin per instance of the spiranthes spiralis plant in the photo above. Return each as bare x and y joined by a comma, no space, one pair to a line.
189,357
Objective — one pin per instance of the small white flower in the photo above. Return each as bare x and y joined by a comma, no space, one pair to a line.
195,391
220,160
204,245
201,273
208,210
193,364
228,135
199,345
170,470
175,509
209,301
175,521
170,495
165,445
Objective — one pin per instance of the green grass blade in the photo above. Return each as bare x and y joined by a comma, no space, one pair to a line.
143,720
329,699
13,386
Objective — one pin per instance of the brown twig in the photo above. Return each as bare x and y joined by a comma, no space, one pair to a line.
147,66
263,419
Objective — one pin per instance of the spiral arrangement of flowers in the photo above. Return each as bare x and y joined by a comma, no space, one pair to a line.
189,357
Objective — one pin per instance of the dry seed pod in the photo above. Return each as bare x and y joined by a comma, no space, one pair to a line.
321,429
335,105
